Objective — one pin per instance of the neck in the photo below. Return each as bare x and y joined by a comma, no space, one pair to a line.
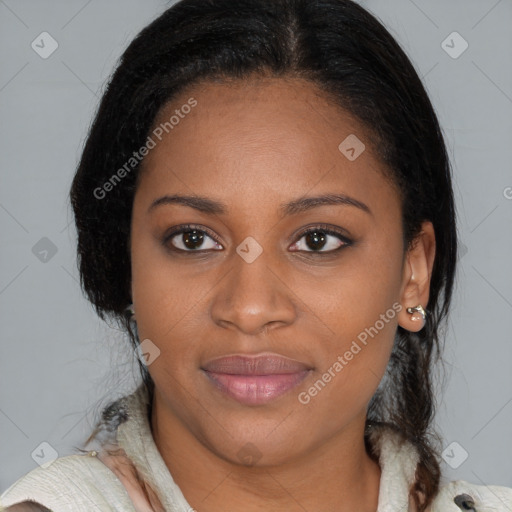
339,475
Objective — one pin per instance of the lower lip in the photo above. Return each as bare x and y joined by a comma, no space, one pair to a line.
256,389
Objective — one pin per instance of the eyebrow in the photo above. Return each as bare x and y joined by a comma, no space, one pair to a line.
212,207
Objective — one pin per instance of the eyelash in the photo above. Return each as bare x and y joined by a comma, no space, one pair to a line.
321,227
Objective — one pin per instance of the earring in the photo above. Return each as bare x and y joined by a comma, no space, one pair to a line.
417,309
130,312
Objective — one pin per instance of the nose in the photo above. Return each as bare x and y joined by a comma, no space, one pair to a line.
254,297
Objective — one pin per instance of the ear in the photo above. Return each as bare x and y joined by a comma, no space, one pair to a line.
416,274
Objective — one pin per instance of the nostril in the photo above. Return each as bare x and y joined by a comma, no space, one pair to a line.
465,502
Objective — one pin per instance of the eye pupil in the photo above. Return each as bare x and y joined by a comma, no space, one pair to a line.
194,237
315,237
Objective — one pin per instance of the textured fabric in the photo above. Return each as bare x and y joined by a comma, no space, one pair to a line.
127,473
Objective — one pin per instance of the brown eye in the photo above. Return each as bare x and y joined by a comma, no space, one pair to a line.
318,238
190,239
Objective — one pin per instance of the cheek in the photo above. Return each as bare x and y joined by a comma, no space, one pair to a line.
163,291
360,304
356,293
353,364
170,304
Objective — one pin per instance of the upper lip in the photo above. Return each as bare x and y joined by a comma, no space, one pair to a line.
266,364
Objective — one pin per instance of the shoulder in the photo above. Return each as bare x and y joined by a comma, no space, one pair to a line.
399,458
461,495
72,483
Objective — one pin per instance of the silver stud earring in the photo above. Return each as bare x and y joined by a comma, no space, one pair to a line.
414,312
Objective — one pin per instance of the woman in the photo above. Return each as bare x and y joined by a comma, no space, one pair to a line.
264,202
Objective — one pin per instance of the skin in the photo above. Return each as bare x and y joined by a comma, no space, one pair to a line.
253,146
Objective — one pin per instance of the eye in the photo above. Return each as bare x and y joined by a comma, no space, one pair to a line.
321,237
190,238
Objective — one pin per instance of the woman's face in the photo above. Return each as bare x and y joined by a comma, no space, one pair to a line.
320,308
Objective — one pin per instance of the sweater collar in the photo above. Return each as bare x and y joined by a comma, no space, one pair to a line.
127,426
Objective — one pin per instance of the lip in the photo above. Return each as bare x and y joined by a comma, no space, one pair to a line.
255,380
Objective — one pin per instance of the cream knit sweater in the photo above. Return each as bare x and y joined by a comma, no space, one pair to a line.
136,479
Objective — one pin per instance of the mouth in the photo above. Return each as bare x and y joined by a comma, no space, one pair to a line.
255,380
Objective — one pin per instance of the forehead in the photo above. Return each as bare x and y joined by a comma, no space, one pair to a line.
275,136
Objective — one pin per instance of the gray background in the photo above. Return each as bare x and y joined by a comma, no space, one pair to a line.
60,363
